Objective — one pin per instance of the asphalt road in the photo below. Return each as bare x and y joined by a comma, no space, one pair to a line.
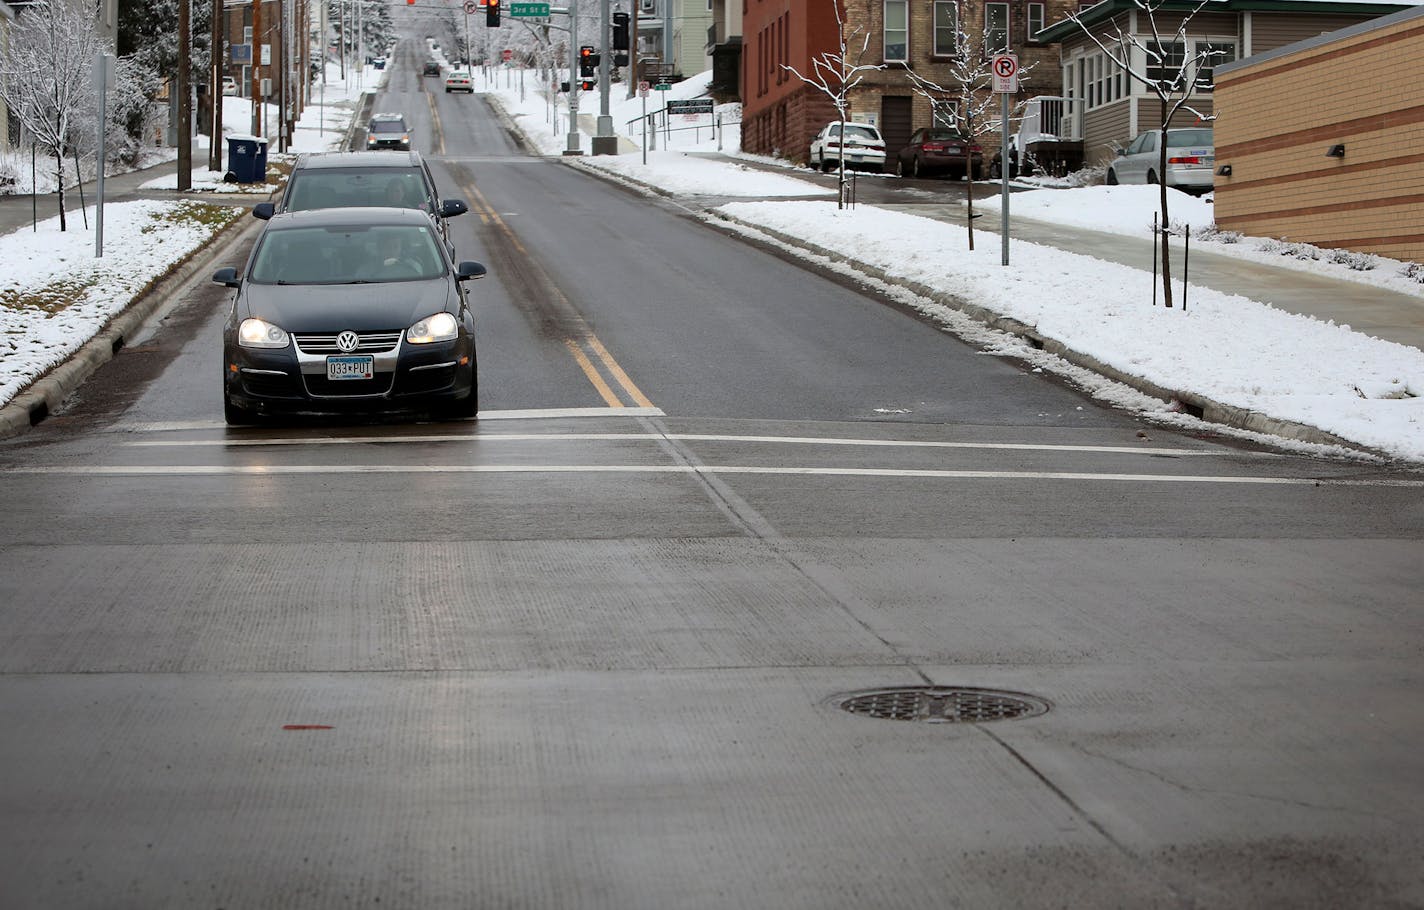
590,649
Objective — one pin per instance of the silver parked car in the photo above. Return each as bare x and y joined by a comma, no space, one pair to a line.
1190,156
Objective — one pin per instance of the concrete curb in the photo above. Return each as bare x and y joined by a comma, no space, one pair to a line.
45,395
1200,406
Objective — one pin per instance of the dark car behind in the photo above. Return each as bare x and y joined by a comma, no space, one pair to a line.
932,151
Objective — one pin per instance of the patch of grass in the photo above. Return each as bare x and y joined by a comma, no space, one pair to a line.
53,298
204,214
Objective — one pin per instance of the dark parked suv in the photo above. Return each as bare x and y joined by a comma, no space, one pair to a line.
355,179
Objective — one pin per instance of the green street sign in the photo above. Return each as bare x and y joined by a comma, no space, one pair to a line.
663,87
528,10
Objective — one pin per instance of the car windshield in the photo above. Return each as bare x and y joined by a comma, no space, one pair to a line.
338,188
387,126
1183,138
347,254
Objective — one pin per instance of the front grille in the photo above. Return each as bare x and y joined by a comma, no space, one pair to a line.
321,387
371,343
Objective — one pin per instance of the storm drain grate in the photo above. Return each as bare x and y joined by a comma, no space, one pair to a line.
940,705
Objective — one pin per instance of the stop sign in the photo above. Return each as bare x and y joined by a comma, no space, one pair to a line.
506,55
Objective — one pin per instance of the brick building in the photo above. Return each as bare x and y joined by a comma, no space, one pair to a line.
780,113
1322,140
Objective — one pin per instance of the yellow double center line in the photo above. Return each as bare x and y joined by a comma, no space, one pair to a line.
607,377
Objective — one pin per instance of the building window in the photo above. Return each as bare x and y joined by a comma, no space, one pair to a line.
996,27
1035,21
946,28
1165,64
945,114
1211,54
897,31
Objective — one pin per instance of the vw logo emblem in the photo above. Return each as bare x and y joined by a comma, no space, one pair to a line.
347,342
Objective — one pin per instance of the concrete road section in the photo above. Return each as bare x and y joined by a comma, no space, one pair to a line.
745,589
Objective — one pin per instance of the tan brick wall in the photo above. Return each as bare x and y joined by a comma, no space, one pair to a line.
1278,118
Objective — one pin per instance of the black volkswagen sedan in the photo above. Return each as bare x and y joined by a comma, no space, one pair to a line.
343,310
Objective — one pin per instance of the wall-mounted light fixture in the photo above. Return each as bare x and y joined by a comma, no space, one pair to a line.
1224,171
1335,151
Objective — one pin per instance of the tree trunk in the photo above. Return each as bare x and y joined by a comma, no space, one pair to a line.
59,175
969,195
1162,186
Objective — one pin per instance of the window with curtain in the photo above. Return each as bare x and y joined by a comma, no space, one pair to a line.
897,31
946,28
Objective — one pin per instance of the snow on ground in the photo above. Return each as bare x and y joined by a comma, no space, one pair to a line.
142,239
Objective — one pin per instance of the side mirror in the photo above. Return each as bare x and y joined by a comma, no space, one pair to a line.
469,269
226,277
264,210
1121,152
452,207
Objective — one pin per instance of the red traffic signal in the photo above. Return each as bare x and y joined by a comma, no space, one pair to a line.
492,13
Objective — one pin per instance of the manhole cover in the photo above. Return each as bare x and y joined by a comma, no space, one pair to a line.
940,705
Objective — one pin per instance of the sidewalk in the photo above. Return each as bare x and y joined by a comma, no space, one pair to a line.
1374,311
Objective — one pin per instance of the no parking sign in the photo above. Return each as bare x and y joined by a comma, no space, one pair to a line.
1005,68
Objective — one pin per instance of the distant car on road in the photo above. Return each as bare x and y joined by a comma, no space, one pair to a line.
379,63
349,310
459,81
1191,155
864,147
387,131
936,150
431,68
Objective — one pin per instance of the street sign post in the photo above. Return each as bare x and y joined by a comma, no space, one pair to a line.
1005,68
529,10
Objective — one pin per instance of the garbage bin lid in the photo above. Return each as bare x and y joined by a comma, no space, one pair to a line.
238,138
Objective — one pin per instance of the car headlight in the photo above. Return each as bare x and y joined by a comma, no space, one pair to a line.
440,327
257,333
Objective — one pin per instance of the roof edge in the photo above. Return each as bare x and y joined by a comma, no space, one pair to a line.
1349,31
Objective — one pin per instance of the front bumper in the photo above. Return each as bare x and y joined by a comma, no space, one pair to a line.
406,378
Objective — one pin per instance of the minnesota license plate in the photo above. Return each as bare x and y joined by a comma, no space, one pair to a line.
361,367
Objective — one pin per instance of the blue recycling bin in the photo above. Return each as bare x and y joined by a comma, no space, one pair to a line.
246,159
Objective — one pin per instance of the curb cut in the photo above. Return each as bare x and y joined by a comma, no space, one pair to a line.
1199,406
45,395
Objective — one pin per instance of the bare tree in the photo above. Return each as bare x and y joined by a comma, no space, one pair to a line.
837,74
966,101
1159,61
45,76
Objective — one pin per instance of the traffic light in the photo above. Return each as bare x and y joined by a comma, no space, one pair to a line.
410,2
588,61
586,85
620,31
492,13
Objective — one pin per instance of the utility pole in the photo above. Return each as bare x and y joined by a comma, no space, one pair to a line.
185,110
573,145
215,157
257,67
604,142
281,86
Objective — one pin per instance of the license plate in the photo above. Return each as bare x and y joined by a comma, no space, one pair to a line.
361,367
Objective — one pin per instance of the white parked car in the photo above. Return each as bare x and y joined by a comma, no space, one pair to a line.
863,147
229,86
1190,159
